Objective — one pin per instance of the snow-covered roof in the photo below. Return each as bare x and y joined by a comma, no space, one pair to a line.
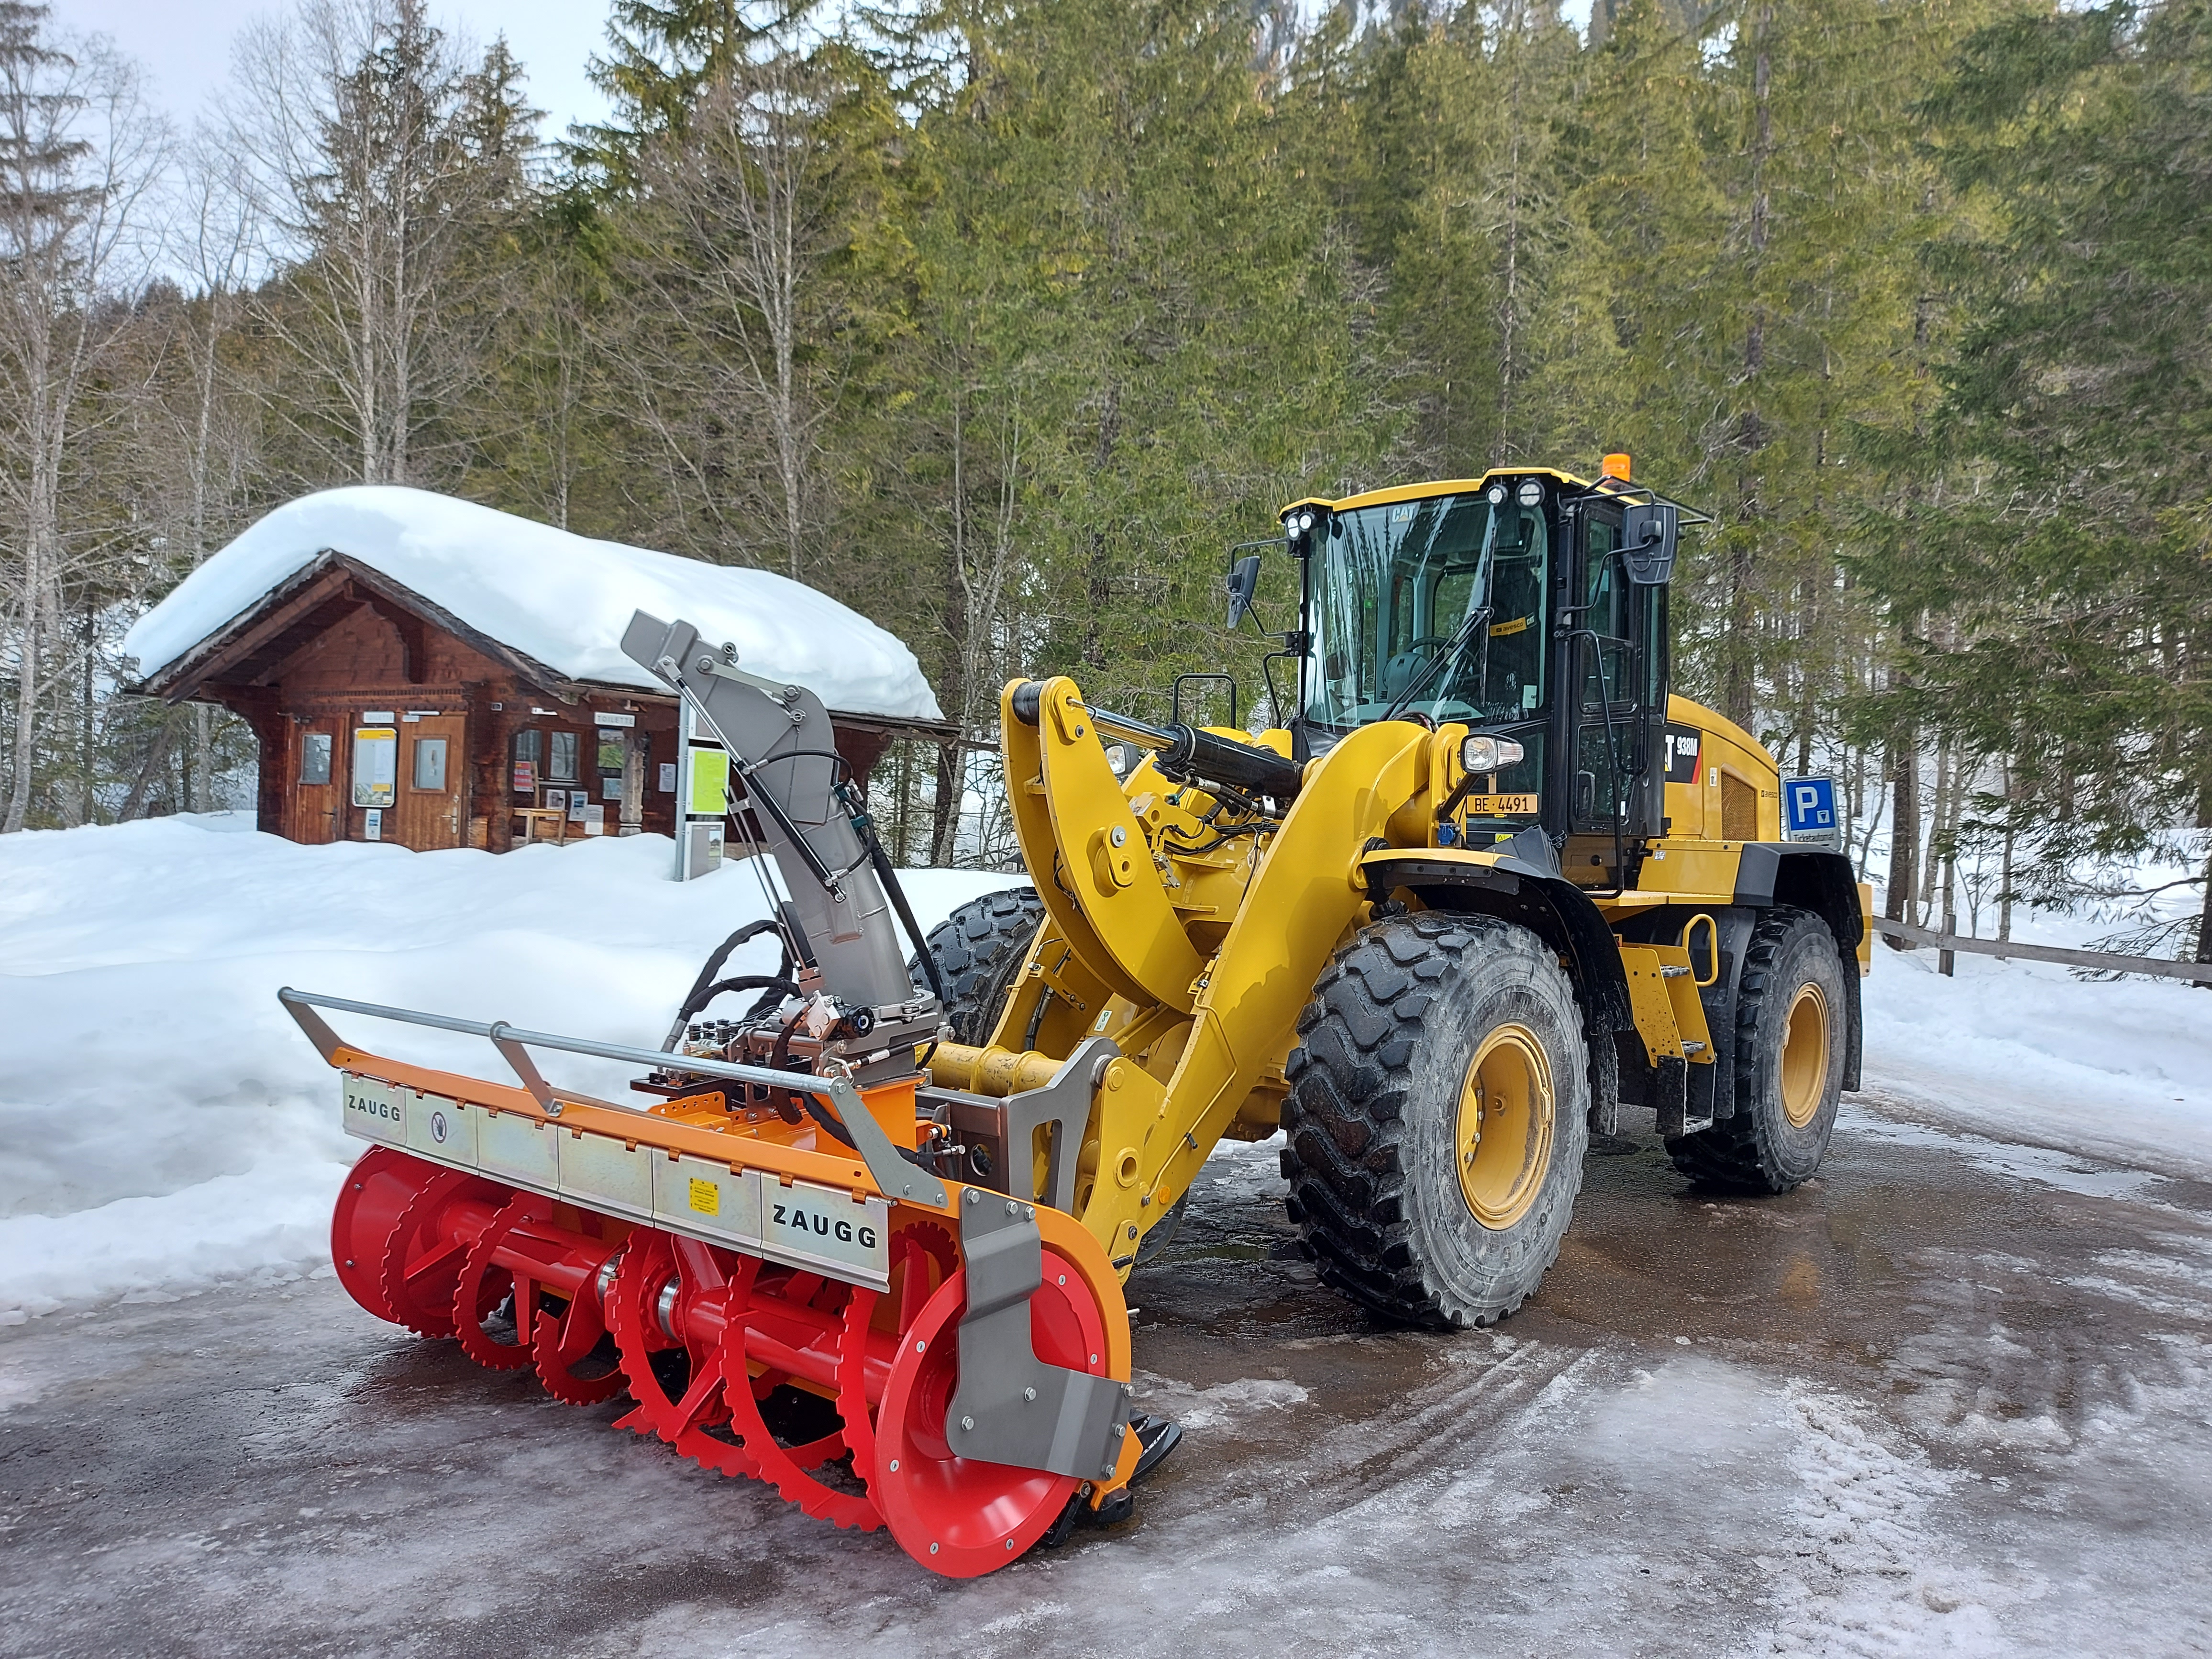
561,599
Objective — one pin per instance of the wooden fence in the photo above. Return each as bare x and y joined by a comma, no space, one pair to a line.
2156,966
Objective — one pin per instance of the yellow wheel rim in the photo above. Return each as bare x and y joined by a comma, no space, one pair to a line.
1505,1142
1805,1056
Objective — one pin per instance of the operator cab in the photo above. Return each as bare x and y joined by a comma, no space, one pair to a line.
1527,605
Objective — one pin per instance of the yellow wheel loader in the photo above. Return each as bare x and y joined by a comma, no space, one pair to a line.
1488,881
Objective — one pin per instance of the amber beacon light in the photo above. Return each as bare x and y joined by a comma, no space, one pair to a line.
1615,466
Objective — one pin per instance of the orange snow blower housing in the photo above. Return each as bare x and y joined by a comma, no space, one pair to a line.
1491,881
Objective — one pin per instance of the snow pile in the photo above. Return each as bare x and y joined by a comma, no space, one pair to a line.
2118,1069
164,1123
559,599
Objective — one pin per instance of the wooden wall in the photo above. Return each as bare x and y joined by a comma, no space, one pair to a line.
376,657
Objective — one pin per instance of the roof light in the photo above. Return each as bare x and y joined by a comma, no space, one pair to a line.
1496,494
1614,466
1532,492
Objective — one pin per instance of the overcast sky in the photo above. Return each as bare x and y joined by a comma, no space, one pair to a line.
184,45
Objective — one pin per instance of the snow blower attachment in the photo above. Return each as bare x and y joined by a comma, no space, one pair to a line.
772,1259
1491,882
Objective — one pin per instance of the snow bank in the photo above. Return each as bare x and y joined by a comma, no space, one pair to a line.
163,1123
561,598
2119,1069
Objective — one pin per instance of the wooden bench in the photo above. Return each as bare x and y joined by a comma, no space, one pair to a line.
536,820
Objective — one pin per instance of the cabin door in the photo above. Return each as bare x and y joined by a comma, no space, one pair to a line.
432,767
315,795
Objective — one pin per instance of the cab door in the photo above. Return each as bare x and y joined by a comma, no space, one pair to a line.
433,767
1617,672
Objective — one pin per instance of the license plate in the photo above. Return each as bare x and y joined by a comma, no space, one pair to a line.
1499,807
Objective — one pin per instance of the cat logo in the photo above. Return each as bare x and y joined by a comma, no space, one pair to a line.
1682,744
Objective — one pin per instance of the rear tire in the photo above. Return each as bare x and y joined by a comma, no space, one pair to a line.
979,948
1438,1117
1792,1023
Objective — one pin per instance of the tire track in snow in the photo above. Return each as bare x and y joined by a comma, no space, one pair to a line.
1868,1574
1472,1404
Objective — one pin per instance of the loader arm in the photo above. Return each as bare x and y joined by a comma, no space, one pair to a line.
1132,906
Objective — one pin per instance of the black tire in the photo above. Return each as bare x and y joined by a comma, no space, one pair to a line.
979,948
1373,1117
1791,955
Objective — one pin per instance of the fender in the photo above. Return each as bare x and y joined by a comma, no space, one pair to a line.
1518,882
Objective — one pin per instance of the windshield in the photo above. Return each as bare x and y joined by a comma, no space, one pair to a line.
1392,584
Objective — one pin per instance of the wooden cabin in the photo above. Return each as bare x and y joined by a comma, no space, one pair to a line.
427,672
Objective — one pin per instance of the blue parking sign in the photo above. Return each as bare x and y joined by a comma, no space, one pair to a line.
1808,807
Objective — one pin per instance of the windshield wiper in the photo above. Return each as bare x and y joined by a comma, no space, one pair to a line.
1476,618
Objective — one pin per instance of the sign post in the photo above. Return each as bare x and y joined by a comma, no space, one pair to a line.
1808,811
702,777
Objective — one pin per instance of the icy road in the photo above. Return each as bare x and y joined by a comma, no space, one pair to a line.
1954,1396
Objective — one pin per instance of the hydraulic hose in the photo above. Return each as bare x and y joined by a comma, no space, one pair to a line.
699,1000
693,1000
1183,751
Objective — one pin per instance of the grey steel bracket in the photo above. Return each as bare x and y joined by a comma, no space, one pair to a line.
893,1177
1009,1406
1065,1104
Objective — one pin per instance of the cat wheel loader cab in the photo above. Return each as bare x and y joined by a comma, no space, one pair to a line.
866,1242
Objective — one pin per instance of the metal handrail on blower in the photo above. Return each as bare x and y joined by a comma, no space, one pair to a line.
892,1174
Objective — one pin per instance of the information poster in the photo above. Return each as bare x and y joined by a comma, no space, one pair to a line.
375,765
710,781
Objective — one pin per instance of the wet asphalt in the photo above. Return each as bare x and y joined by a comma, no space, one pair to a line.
1953,1396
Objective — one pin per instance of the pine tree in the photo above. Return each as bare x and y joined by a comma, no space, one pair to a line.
2071,569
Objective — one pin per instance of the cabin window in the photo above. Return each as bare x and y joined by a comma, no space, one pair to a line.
315,757
562,766
430,763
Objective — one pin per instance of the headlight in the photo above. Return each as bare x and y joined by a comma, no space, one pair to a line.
1531,492
1495,495
1490,754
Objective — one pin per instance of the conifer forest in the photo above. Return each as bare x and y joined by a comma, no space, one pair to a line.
1003,322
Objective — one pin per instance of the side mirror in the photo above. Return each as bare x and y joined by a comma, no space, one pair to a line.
1647,546
1243,583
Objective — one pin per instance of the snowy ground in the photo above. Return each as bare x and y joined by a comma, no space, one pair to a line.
2024,1049
1953,1396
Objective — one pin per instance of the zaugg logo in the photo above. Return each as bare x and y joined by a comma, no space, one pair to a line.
371,1106
790,1215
